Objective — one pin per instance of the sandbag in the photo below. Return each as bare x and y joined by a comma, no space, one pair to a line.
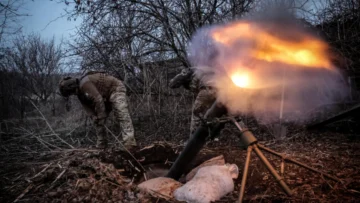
210,183
219,160
160,187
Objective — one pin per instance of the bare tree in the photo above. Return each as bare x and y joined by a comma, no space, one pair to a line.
39,64
121,35
150,29
339,22
10,14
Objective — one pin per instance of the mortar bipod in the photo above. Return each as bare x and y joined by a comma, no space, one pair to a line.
248,138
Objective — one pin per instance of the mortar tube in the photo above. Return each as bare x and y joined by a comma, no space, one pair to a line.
196,142
192,148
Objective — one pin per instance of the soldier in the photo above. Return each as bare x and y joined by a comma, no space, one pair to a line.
206,96
99,93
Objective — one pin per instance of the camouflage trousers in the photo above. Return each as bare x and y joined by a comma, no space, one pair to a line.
203,102
119,105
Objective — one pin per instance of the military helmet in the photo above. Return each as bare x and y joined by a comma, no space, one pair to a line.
68,86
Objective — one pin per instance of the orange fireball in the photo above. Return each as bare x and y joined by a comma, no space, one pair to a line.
240,80
265,46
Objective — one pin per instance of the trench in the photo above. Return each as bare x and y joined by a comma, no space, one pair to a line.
151,162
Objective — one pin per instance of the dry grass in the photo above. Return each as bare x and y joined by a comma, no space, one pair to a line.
40,155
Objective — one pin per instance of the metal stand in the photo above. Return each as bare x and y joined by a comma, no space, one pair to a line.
198,140
250,141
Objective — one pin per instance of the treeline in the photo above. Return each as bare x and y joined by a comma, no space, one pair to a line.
341,27
144,43
30,71
118,35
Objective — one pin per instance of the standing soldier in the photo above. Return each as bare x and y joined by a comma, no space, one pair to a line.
206,96
99,93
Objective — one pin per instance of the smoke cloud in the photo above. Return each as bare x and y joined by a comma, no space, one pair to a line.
267,64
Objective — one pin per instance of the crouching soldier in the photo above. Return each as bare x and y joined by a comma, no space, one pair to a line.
99,93
206,96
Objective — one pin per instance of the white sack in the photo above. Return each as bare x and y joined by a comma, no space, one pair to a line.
209,184
219,160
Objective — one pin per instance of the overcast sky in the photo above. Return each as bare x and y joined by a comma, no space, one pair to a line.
44,19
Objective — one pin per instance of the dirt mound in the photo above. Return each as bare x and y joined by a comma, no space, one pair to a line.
85,175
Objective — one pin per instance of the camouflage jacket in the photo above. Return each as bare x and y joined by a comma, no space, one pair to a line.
95,89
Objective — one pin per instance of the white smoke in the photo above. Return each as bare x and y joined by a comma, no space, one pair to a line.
304,88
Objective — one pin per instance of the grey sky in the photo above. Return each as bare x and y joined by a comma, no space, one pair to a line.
44,12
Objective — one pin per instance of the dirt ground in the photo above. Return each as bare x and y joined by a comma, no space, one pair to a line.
91,175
